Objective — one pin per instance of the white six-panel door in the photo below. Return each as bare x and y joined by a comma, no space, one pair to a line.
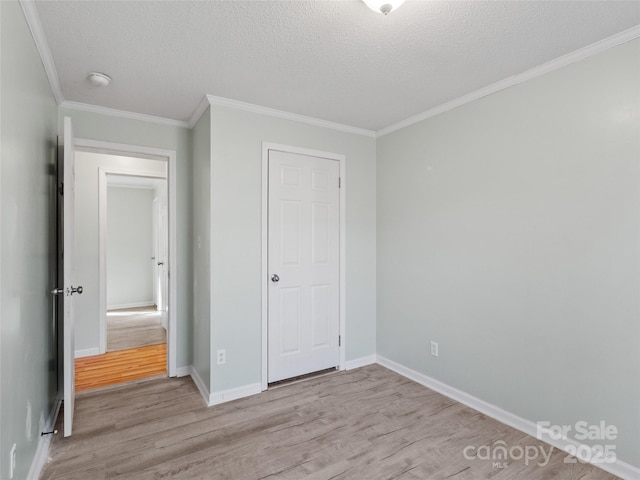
303,264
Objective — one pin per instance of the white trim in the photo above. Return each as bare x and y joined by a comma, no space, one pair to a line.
126,185
360,362
264,274
87,352
249,107
33,20
266,146
102,260
169,156
343,261
184,371
122,306
113,112
569,58
112,148
216,398
44,442
198,112
619,468
202,388
102,246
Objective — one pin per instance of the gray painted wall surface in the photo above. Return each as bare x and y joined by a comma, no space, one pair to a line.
129,246
508,231
201,141
27,242
236,162
96,126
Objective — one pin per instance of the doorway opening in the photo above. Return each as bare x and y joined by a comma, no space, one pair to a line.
133,299
136,251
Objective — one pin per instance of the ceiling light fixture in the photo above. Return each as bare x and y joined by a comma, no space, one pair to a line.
383,6
99,79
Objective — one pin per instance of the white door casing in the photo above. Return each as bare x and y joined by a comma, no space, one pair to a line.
156,254
69,276
171,305
163,273
160,270
303,264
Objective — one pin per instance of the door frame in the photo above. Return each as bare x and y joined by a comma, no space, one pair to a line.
266,147
103,184
150,153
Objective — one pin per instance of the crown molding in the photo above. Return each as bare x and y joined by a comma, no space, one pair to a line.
569,58
248,107
112,112
198,112
35,26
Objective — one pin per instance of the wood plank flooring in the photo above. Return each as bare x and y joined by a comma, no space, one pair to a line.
368,424
134,327
121,366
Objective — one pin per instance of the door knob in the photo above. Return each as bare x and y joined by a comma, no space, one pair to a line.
77,290
275,278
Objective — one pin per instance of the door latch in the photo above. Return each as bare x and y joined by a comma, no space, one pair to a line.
77,290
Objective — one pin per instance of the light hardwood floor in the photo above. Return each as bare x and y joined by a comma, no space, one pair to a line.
134,327
367,424
121,366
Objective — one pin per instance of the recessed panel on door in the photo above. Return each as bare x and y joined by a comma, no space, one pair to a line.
290,232
320,316
290,320
320,231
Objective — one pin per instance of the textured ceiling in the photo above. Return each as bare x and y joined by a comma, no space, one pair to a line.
333,60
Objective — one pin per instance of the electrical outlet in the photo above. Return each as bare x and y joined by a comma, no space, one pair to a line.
434,348
222,357
12,461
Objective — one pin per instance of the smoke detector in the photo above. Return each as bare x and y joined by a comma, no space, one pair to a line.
99,79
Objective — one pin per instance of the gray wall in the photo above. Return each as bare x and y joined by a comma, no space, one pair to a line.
87,252
27,242
508,231
201,141
129,246
96,126
236,163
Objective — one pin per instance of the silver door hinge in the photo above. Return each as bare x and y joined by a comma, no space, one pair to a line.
339,340
339,182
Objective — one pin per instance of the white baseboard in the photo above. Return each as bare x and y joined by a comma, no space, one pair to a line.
618,468
42,450
131,305
195,376
216,398
223,396
87,352
360,362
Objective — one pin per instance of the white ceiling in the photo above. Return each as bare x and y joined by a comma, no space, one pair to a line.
332,60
